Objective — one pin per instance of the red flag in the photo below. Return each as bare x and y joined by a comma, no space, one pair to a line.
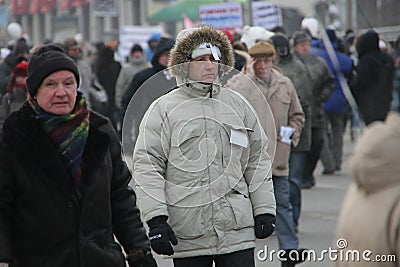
47,5
19,7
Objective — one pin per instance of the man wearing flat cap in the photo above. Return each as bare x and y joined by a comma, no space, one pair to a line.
288,115
201,168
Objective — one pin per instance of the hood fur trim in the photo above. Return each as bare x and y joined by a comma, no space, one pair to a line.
182,51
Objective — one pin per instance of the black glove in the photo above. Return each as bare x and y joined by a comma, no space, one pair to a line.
264,225
161,236
140,258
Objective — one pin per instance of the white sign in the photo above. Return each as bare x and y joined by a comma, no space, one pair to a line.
130,35
104,8
266,15
222,16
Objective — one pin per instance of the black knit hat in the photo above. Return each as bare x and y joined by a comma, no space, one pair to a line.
45,61
136,48
281,44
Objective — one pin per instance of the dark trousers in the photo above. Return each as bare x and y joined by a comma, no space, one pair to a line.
317,141
235,259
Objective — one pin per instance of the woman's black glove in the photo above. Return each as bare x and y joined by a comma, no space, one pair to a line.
140,258
264,225
161,236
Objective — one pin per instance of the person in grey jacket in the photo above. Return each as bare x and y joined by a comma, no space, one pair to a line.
201,168
322,89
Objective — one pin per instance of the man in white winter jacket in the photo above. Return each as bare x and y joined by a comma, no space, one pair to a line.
201,168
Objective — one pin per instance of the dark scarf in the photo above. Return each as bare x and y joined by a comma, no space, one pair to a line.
67,132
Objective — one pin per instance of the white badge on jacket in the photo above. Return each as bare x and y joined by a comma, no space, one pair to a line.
239,138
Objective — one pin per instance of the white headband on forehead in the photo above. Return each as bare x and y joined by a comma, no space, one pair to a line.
206,49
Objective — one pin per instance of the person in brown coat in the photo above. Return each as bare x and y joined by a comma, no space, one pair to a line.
281,96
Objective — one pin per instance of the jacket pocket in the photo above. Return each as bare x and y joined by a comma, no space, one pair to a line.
281,161
187,222
186,146
240,203
241,208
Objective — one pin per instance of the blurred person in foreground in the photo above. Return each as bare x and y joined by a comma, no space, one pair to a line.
369,219
201,168
64,190
281,96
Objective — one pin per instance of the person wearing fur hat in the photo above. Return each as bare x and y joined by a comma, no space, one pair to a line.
64,190
201,168
281,96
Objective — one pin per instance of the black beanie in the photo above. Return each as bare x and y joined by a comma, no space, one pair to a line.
45,61
281,44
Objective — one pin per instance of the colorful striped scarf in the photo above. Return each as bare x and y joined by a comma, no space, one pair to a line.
67,132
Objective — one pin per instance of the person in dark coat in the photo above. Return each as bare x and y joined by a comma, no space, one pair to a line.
336,106
107,70
20,52
373,85
64,192
16,92
159,62
161,83
322,83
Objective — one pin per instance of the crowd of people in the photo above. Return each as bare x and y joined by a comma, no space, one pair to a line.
219,154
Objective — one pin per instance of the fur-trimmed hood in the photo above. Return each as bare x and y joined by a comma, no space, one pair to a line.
182,51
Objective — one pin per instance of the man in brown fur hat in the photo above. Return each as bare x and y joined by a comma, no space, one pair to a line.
201,167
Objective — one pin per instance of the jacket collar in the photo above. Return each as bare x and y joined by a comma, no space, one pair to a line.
275,79
196,89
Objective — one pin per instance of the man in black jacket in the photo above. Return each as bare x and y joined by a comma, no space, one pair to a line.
159,62
373,86
153,82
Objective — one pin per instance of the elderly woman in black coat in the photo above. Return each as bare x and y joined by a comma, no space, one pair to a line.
64,193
